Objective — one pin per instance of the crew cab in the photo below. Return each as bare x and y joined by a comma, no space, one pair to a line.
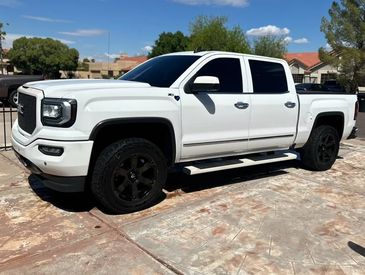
199,111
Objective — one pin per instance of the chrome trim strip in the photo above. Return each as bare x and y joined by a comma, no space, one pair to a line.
233,140
283,136
214,142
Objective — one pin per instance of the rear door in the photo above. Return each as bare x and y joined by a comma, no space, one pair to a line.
274,105
216,123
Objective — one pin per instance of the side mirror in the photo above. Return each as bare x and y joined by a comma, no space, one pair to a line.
205,84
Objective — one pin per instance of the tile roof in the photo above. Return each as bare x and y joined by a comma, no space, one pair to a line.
138,59
309,59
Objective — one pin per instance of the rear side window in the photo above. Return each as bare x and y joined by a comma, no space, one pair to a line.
268,77
228,71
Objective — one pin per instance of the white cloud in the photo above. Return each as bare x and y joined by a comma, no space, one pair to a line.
85,32
328,47
46,19
9,3
288,39
112,55
233,3
301,41
147,48
10,37
268,30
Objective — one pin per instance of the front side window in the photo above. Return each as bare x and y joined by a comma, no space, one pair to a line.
161,71
268,77
228,71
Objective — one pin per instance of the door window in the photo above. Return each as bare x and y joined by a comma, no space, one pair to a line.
268,77
228,71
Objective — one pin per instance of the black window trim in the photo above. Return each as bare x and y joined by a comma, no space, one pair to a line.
281,93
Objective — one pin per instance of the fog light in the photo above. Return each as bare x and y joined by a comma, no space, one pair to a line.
50,150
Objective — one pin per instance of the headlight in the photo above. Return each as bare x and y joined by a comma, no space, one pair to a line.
58,112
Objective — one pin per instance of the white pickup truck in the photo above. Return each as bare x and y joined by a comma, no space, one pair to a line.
202,111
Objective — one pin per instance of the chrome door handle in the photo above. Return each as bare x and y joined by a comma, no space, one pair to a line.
241,105
290,104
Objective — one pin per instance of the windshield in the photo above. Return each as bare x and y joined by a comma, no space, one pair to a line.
161,71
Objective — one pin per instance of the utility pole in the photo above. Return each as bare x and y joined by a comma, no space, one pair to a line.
2,36
108,52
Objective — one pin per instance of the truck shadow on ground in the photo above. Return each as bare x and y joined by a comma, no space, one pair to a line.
84,202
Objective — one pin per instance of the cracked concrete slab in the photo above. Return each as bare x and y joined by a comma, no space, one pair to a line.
270,219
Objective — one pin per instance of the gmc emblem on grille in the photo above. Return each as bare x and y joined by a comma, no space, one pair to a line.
20,109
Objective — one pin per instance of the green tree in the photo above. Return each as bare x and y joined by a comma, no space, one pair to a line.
85,60
2,37
345,34
271,46
169,42
43,56
211,33
83,66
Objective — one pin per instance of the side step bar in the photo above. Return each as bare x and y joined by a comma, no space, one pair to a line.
206,167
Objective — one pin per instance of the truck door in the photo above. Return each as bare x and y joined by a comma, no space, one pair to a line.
215,123
274,107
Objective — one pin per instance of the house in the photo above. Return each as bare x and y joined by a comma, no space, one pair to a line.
113,69
308,68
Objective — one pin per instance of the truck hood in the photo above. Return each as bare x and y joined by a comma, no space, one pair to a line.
58,88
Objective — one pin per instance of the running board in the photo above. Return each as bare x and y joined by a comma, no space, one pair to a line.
206,167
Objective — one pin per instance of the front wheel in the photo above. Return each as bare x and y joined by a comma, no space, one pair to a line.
129,175
321,150
13,99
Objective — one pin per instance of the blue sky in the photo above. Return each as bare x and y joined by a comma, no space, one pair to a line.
135,25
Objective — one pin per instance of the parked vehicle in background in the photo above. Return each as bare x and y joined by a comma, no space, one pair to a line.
10,83
199,111
361,99
334,86
306,87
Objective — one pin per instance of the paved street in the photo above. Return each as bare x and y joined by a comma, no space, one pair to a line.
269,219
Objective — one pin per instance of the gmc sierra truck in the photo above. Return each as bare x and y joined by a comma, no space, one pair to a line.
201,112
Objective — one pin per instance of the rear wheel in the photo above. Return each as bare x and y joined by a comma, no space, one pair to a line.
321,150
129,175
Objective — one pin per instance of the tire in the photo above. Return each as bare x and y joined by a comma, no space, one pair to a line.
13,99
321,150
129,175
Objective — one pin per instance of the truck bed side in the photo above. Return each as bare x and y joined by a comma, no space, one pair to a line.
338,109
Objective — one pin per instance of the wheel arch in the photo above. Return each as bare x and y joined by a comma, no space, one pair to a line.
334,119
159,131
12,88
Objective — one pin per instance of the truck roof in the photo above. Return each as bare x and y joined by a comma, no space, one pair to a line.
203,53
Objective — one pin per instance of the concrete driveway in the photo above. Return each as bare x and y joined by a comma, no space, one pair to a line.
268,219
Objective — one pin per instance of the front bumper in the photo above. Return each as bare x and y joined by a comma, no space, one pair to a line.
65,173
60,184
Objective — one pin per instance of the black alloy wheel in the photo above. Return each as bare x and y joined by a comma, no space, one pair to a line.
321,150
327,148
134,177
129,175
